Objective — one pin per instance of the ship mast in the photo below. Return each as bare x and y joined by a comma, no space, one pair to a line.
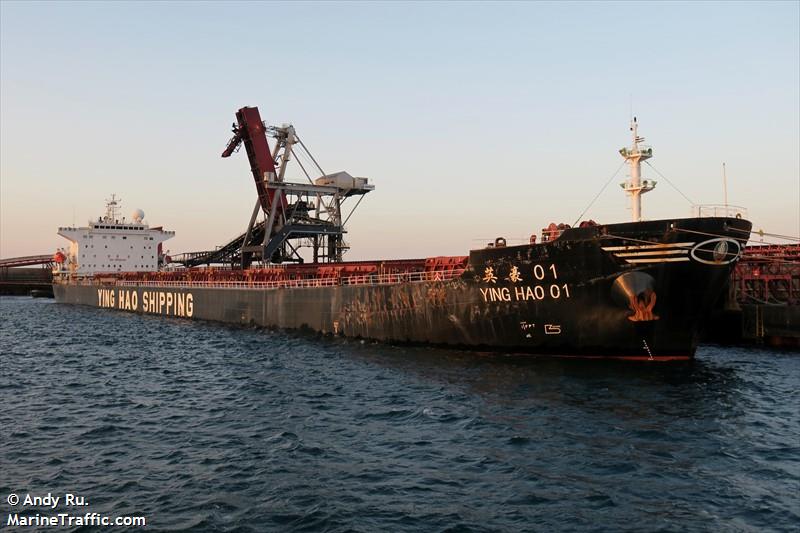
634,186
112,209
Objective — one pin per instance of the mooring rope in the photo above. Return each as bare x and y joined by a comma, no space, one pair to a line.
717,235
672,245
761,233
759,257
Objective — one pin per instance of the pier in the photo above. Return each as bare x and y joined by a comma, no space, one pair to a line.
29,275
762,304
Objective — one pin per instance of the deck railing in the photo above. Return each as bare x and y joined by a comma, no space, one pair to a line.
365,279
716,210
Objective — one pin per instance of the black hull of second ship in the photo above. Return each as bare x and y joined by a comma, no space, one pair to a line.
632,291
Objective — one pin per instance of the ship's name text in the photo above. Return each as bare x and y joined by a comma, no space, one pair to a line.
523,293
519,292
155,302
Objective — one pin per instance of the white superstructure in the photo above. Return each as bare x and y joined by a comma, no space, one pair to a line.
111,244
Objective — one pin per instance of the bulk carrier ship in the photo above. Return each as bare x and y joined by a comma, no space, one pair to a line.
638,290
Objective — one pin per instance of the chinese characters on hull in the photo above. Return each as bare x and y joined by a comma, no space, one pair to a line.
547,287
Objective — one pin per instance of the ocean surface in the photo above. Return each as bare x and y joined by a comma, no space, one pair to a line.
205,427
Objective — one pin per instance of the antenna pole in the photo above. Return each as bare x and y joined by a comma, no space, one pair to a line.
725,186
630,116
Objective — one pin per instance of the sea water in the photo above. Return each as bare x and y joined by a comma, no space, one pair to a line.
205,427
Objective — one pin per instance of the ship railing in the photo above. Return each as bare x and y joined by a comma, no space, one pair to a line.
719,210
366,279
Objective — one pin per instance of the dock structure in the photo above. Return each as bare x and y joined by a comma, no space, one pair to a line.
768,275
763,300
45,260
293,215
19,275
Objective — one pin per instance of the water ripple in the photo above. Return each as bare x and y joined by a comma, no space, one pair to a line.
201,427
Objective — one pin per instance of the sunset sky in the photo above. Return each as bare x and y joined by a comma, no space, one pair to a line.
473,120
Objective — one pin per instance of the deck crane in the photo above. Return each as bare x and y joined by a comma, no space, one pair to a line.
295,215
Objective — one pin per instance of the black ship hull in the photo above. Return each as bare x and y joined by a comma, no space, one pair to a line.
633,291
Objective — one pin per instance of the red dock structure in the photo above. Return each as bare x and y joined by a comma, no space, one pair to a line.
763,303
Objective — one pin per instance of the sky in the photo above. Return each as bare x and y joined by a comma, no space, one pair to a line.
473,120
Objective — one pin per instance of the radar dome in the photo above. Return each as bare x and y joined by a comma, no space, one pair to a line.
137,215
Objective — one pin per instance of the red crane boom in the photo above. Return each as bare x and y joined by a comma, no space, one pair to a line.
250,130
